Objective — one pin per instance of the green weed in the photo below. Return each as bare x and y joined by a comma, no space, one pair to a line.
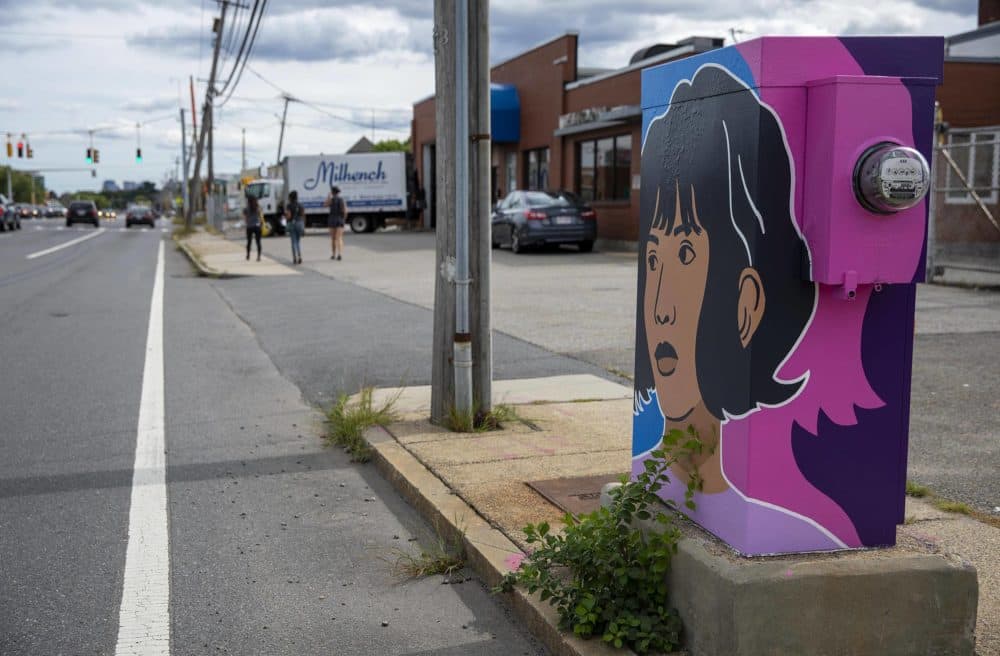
347,422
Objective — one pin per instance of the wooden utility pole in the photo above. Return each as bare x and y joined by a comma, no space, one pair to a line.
281,137
442,368
207,115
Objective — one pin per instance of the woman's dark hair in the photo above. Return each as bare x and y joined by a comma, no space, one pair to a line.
252,203
293,195
716,137
334,189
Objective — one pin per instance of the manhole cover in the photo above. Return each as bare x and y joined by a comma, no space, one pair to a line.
579,495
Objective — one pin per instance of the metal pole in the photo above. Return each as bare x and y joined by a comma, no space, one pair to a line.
10,185
463,337
243,165
281,137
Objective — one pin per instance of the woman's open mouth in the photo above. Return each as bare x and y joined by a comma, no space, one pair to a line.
666,358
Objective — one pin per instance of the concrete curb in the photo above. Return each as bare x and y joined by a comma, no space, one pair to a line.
203,269
489,552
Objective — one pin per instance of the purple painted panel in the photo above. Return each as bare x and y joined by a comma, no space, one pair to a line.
743,330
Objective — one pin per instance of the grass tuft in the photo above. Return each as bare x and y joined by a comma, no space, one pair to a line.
916,490
347,422
952,506
477,421
446,557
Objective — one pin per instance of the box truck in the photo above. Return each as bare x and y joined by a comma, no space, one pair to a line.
375,187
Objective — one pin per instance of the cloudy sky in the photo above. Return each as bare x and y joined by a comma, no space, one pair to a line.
74,65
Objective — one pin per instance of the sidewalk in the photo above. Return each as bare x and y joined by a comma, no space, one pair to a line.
480,486
217,257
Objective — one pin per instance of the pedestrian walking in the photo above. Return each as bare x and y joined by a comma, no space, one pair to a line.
338,217
252,218
296,225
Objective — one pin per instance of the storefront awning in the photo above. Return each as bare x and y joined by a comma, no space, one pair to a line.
505,113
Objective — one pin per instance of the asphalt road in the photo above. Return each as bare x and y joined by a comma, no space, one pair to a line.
276,545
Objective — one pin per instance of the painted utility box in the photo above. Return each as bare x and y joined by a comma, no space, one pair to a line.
783,228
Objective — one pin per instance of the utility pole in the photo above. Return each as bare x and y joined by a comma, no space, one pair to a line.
207,109
462,347
281,137
185,192
243,165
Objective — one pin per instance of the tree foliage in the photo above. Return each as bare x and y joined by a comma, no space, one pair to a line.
21,186
392,145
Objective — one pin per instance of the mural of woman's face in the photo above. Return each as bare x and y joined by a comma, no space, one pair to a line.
676,259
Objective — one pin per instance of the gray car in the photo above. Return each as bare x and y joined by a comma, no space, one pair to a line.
9,220
536,218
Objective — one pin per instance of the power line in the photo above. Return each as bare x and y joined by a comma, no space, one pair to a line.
249,51
317,108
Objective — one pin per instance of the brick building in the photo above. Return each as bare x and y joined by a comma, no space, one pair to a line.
557,125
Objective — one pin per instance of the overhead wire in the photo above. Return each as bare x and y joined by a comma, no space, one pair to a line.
246,49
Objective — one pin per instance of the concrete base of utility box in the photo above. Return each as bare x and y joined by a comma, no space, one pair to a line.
904,600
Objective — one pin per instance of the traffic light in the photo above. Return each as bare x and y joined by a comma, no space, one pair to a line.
90,156
138,155
20,149
31,152
10,147
97,156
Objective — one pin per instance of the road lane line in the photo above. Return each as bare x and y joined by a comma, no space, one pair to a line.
144,618
66,245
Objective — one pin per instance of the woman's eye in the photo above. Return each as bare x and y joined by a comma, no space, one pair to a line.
653,261
686,255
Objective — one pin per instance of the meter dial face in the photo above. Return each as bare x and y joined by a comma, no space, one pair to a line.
890,178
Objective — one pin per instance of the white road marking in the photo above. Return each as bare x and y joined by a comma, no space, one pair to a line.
144,618
99,231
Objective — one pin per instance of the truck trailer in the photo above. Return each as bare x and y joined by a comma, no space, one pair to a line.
375,187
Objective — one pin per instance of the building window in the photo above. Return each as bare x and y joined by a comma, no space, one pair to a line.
604,168
536,167
977,155
510,176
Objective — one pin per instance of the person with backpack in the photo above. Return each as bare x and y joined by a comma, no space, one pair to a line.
338,217
296,225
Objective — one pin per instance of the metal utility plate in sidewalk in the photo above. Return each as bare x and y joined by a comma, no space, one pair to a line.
579,495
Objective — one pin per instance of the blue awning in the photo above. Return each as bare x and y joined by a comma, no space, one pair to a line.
505,113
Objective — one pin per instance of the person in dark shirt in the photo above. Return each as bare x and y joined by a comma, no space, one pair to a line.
338,217
252,216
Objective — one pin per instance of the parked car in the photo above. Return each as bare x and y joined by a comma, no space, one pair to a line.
140,215
53,210
83,211
9,220
535,218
